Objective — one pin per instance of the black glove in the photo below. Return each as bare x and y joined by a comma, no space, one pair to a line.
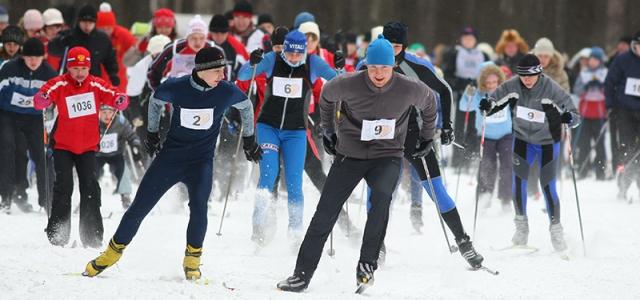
338,59
135,152
252,151
446,136
329,141
152,143
256,57
422,148
486,105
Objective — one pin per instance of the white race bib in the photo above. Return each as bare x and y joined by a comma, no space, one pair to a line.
109,143
632,88
81,105
529,114
287,87
21,100
498,117
378,130
197,119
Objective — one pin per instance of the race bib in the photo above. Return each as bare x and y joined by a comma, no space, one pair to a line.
632,87
81,105
21,100
197,119
287,87
378,130
529,114
109,143
498,117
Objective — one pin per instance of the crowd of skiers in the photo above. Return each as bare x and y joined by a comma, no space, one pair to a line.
79,90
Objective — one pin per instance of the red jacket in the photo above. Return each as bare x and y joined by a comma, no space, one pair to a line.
122,40
77,128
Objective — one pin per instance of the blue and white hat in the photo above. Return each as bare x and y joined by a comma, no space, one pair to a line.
295,41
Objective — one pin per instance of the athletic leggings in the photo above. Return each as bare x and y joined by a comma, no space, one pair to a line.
524,154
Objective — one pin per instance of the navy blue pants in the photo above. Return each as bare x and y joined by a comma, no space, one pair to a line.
158,179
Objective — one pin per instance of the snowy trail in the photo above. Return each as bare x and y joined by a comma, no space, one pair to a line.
417,266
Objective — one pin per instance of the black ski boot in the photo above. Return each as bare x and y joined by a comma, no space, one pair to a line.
364,276
21,201
296,283
468,252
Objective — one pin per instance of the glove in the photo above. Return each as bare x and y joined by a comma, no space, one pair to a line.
329,141
121,102
446,136
566,118
422,148
152,143
252,151
486,105
136,153
338,60
256,57
554,116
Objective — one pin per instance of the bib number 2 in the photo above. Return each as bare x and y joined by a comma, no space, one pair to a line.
197,119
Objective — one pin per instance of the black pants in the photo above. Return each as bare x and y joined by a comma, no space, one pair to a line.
382,176
20,133
589,132
59,226
116,165
629,139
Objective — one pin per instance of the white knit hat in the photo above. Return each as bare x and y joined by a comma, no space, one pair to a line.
157,43
544,46
32,19
52,16
310,27
197,25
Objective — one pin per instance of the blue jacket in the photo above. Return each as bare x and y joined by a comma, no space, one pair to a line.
18,84
626,66
497,125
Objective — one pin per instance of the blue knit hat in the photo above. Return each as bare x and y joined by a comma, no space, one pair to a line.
597,53
380,52
295,41
303,17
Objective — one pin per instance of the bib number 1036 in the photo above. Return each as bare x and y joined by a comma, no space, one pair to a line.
81,105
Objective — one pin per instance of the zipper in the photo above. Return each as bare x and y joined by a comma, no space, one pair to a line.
284,108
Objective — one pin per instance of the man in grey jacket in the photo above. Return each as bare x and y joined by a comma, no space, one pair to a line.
540,108
371,110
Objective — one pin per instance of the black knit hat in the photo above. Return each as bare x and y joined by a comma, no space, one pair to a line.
210,58
264,18
529,65
219,24
277,37
13,33
395,32
87,13
243,7
33,47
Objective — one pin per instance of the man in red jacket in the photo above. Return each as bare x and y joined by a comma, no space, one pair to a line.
76,137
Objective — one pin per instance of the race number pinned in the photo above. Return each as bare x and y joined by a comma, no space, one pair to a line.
81,105
109,143
197,119
529,114
632,88
21,100
287,87
384,129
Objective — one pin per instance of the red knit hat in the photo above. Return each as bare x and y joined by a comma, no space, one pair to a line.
164,17
78,57
106,19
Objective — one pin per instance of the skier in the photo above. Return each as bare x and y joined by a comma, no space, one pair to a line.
115,131
198,101
281,127
498,140
539,108
374,106
77,96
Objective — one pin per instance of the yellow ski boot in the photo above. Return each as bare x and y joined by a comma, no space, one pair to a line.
191,263
107,259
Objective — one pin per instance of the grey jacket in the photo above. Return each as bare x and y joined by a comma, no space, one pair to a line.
123,131
361,102
530,129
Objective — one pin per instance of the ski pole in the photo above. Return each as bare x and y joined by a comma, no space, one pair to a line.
475,211
331,251
451,248
234,157
132,163
108,126
45,140
575,188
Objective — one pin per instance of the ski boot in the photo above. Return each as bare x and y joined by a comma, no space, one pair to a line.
415,214
468,252
296,283
557,237
126,201
106,259
5,205
191,263
21,201
364,276
521,236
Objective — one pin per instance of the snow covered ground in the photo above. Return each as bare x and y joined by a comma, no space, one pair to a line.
418,265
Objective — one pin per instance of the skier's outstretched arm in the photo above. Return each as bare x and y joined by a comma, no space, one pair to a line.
246,114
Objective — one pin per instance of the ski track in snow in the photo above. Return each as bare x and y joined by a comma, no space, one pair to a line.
417,266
